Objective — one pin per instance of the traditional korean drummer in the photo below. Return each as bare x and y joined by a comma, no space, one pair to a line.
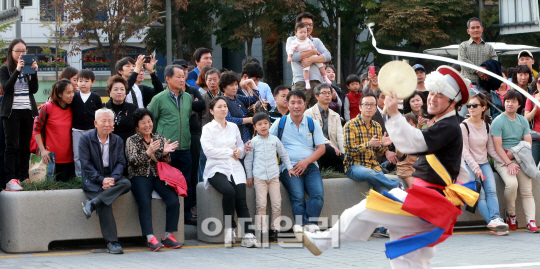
425,215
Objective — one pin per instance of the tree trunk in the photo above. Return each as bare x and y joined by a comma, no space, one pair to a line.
179,41
112,60
249,43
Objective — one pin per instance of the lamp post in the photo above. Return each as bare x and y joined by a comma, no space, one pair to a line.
168,29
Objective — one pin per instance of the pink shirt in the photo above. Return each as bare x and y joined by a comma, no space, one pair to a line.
300,45
529,107
476,144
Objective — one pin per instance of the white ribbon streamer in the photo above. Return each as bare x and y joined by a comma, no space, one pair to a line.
449,60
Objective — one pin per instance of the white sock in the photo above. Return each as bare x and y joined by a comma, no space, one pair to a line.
529,220
167,235
149,236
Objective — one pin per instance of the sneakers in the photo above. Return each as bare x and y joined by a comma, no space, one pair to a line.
499,232
170,242
14,185
249,241
298,230
230,236
531,227
497,225
114,248
87,208
154,245
511,221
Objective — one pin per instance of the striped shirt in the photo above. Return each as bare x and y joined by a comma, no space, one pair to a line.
21,99
474,53
357,137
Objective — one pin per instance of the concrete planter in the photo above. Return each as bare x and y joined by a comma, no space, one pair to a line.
30,220
339,194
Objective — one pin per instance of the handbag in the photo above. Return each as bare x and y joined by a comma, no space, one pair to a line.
39,171
171,175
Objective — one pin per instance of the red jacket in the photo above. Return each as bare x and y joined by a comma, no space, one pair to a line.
354,103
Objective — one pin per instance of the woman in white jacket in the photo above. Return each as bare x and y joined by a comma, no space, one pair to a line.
222,144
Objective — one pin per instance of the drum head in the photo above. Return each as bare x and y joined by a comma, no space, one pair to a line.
399,77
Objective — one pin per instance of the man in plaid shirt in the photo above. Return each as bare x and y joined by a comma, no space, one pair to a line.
475,51
363,144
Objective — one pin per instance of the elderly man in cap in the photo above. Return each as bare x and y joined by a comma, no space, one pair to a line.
525,57
102,161
424,215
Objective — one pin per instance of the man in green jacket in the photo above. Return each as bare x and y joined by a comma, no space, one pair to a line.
171,110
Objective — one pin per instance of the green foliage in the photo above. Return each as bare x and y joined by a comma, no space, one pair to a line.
192,27
420,22
49,184
330,173
3,29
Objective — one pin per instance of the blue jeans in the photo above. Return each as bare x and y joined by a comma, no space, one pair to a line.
181,160
536,151
488,204
311,182
377,179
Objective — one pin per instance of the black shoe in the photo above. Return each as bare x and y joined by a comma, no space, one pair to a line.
274,235
87,208
114,248
190,221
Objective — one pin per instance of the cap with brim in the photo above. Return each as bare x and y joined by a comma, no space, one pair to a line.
180,62
457,82
528,53
418,67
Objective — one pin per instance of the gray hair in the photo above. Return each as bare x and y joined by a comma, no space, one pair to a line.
318,88
212,71
473,19
169,70
103,111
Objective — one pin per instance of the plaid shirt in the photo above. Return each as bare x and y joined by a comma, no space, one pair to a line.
357,137
473,53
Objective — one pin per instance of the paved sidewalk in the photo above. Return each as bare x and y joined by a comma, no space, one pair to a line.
476,249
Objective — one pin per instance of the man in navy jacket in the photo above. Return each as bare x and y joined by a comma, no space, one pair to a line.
102,161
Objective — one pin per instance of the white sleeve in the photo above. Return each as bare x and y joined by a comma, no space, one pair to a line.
406,138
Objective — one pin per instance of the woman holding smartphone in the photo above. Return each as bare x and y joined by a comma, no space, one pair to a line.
18,109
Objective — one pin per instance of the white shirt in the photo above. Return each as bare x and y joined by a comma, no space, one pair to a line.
104,151
218,145
129,98
85,96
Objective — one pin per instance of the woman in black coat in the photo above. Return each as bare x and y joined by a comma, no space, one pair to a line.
18,109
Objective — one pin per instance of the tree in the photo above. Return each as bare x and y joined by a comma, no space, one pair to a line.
52,18
420,22
4,28
353,14
246,20
189,31
110,21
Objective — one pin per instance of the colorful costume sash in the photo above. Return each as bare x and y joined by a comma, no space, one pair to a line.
427,204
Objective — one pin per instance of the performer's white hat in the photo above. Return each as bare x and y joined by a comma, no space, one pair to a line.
449,82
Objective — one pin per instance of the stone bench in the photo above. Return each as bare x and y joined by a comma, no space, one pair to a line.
30,220
339,194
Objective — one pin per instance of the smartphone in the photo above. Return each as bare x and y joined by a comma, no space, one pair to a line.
28,61
372,71
147,59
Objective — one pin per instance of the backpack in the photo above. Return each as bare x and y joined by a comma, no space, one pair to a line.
311,127
467,127
281,125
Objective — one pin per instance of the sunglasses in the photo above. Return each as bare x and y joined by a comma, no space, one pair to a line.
473,105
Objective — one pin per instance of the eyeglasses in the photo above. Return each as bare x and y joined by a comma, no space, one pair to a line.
368,105
473,105
325,93
20,51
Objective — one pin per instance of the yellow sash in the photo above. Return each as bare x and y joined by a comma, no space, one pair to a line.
453,192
